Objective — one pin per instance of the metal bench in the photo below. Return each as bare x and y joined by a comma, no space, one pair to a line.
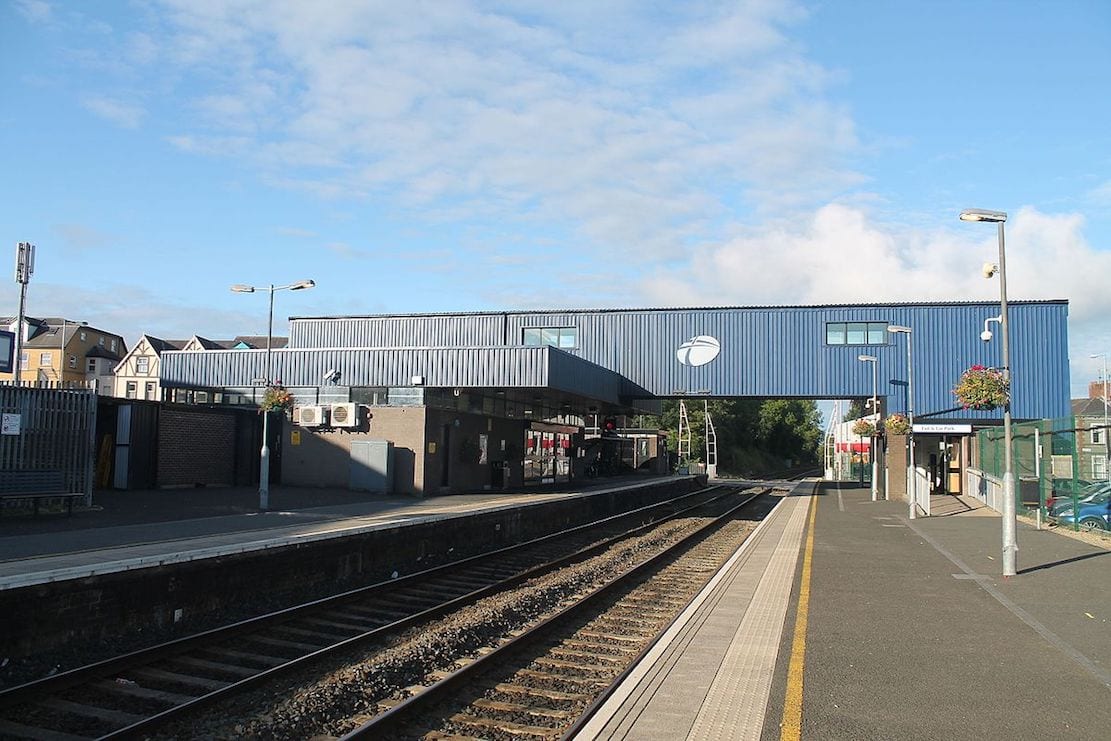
36,488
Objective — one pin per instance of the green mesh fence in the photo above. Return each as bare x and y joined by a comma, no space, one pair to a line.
1060,469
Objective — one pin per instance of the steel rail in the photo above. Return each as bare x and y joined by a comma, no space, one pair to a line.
400,714
50,686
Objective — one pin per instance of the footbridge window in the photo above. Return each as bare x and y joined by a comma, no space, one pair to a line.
856,333
564,337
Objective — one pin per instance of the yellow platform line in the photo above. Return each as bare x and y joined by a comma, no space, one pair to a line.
791,727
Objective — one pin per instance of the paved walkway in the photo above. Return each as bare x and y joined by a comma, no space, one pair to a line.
894,629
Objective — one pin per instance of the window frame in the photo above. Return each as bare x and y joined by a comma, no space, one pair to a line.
867,334
561,337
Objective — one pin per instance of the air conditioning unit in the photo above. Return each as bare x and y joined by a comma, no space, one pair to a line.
312,416
345,415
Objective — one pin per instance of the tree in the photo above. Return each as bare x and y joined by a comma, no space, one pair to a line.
751,433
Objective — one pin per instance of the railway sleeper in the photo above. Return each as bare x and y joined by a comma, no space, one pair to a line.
126,689
578,667
280,643
324,622
19,730
553,695
202,684
498,706
560,680
598,647
492,724
117,718
319,635
265,660
569,654
220,667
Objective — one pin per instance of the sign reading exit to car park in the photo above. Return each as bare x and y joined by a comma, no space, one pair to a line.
944,429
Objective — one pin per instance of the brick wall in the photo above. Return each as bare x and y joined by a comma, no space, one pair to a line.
196,447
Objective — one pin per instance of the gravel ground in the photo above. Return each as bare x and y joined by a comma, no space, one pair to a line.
353,686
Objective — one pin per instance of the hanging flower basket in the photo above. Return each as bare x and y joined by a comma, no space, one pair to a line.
864,428
897,424
982,388
276,397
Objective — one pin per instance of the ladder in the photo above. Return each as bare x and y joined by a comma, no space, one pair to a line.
711,443
684,442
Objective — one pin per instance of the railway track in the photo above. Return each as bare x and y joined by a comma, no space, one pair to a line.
539,684
132,695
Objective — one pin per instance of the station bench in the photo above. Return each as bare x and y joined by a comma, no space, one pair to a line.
36,488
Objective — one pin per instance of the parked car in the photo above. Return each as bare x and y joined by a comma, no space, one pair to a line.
1063,491
1090,513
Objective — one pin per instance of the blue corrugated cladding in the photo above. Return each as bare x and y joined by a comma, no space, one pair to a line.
765,351
781,352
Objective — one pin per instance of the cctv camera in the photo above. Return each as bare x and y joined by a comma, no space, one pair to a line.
986,335
989,269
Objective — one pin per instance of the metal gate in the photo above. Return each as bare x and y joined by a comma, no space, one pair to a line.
50,427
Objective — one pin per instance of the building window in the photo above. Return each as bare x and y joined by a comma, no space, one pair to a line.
1097,434
91,366
131,389
562,337
46,359
856,333
83,335
113,345
142,366
102,342
1099,467
23,361
149,391
72,361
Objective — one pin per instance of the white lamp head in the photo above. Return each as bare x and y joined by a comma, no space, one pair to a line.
989,269
986,335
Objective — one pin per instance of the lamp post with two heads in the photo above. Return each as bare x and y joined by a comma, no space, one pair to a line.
1010,525
264,463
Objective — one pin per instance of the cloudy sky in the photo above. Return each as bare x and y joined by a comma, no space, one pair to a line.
459,156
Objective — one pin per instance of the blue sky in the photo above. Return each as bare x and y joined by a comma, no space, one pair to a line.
459,156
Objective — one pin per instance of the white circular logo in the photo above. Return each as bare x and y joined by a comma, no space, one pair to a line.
698,350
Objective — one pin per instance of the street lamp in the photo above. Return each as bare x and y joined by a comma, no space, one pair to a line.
912,478
875,410
1106,431
264,462
1010,538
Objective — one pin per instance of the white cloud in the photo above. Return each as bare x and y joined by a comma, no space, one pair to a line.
625,134
34,10
121,113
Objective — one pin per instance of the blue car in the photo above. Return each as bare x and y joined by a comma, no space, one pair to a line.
1091,513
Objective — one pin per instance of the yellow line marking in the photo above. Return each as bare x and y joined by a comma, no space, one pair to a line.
791,727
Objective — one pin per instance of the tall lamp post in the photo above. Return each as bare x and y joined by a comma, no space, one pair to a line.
912,478
875,410
1106,431
1010,526
264,456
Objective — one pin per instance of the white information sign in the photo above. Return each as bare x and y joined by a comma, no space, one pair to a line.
944,429
9,424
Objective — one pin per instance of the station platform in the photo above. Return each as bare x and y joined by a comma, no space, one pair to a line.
127,530
839,619
843,619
